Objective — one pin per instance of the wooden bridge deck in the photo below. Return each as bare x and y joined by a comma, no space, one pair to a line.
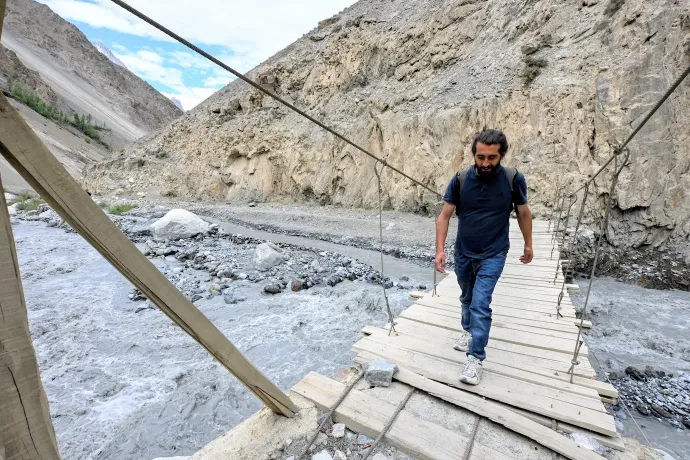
528,356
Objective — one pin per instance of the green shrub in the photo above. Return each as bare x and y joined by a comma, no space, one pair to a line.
29,205
31,99
119,209
102,204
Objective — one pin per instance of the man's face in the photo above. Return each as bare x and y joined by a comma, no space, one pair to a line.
487,158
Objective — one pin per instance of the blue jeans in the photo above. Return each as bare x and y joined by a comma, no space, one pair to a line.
477,279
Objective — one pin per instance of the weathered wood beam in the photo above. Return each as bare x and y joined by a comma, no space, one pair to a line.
26,430
34,162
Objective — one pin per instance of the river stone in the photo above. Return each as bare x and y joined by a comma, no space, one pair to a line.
642,409
379,373
634,373
338,430
363,439
323,455
267,256
296,285
320,439
686,422
657,409
232,298
177,224
272,289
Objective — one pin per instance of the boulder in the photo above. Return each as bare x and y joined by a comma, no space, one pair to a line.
266,256
177,224
12,210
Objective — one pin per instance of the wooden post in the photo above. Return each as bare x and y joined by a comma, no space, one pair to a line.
34,162
26,431
25,426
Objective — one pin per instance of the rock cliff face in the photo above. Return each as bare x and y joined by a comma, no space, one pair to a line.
414,80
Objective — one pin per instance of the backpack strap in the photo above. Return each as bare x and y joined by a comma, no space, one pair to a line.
462,176
511,173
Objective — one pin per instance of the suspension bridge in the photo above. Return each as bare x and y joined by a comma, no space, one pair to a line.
538,381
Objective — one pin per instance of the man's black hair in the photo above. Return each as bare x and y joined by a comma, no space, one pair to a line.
491,137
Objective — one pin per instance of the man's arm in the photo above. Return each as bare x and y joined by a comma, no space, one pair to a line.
524,218
441,234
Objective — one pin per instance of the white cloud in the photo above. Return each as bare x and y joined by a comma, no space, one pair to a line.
253,30
156,68
217,81
249,32
190,60
104,14
150,66
189,97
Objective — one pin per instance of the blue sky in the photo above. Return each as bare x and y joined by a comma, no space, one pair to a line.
242,34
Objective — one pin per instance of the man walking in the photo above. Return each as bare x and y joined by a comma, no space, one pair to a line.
482,197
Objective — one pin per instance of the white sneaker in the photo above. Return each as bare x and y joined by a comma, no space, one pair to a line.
472,372
463,342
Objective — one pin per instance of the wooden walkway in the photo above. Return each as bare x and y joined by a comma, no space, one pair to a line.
525,385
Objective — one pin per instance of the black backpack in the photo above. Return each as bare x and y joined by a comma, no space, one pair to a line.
510,172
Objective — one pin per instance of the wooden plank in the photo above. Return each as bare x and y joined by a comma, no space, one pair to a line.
511,336
364,413
32,160
499,360
518,306
494,412
504,295
510,391
523,295
25,424
417,311
614,442
526,318
502,329
495,374
551,318
561,358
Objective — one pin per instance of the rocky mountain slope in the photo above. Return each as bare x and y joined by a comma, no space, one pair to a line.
414,80
51,56
109,54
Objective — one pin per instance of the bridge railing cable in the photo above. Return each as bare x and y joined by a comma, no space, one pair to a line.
620,150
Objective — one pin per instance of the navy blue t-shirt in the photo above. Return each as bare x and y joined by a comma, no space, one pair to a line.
484,212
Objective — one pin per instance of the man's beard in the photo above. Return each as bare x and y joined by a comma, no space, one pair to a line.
488,172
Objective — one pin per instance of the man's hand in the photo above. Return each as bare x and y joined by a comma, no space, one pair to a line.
441,262
527,255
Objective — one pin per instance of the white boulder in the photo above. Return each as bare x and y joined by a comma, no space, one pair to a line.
267,255
178,223
12,210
